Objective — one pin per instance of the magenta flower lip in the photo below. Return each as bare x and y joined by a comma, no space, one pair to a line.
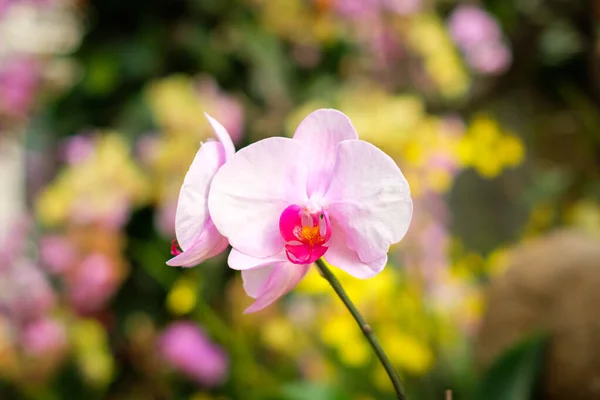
305,232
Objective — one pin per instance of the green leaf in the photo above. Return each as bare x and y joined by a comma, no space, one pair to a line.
514,374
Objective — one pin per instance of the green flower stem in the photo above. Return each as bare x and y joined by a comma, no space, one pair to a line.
365,328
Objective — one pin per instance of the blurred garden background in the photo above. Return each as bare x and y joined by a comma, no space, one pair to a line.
491,109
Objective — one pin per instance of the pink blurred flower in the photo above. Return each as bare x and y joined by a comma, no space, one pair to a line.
434,240
19,79
57,253
196,232
470,26
78,148
114,218
3,7
92,283
358,9
478,35
13,240
367,9
492,58
25,291
283,203
43,337
188,349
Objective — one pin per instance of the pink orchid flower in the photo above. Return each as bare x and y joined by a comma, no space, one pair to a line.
194,228
283,203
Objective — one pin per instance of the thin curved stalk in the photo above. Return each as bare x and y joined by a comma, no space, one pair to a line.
364,327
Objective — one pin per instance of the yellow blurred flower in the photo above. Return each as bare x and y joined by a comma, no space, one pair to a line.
488,149
279,334
428,37
498,261
183,296
468,266
341,332
388,121
313,283
440,180
511,151
407,352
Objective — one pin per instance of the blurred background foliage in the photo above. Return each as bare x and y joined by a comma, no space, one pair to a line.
491,109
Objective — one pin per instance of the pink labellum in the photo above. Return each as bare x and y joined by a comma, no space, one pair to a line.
305,232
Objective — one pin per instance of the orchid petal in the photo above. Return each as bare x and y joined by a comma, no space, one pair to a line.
282,278
346,259
369,198
192,209
320,132
223,136
255,279
241,261
250,192
210,244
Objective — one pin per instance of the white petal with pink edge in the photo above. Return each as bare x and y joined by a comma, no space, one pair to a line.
250,192
241,261
210,244
369,198
192,208
282,278
343,257
320,132
222,135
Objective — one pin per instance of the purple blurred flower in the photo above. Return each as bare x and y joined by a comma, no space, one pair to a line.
188,349
19,79
43,337
92,283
